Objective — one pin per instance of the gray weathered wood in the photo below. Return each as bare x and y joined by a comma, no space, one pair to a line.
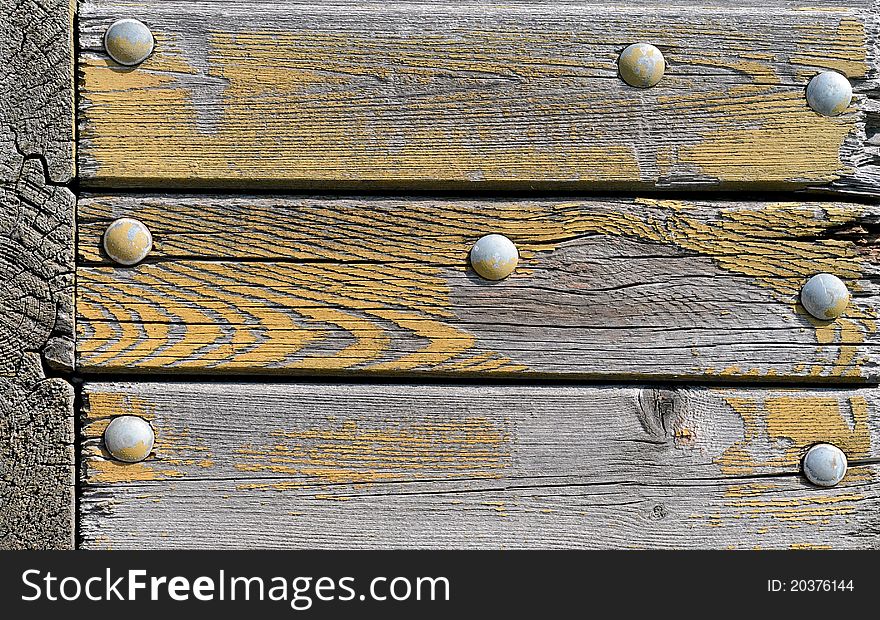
36,274
605,287
375,466
479,95
36,87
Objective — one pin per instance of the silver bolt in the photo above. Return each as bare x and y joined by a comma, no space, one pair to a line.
127,241
829,93
825,296
824,465
494,257
129,438
128,41
641,65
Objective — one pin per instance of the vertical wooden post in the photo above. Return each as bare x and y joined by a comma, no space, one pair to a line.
36,274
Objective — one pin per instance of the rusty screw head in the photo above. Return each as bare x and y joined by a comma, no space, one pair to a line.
127,241
829,93
128,41
641,65
825,296
129,438
494,257
824,465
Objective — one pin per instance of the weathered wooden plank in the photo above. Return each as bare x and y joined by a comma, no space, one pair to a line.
36,274
605,287
478,95
353,466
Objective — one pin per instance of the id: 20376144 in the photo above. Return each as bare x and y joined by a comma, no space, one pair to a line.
810,585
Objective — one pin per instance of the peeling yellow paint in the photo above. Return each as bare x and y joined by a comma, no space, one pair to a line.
850,54
103,406
349,452
324,113
300,118
782,427
391,317
737,459
115,472
175,449
498,507
804,421
754,504
810,510
777,150
749,489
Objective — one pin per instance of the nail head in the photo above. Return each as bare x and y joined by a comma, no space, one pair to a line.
824,465
829,93
129,438
127,241
494,257
128,41
825,296
641,65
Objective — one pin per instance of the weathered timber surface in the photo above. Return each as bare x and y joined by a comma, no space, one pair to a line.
354,466
479,95
36,87
36,274
623,288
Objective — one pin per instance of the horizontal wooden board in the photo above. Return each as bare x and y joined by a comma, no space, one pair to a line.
303,465
605,288
477,95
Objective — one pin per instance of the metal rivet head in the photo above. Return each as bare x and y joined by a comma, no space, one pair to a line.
829,93
641,65
824,465
825,296
128,42
129,438
127,241
494,257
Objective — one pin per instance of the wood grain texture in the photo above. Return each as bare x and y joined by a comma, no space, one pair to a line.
36,274
605,288
478,95
467,466
36,87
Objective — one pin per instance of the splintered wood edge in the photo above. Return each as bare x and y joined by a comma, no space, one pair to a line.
862,148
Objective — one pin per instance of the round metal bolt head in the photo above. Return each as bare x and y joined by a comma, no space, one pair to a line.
641,65
129,438
494,257
824,465
127,241
825,296
829,93
128,42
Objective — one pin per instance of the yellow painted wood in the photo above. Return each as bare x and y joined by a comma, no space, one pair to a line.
630,288
331,465
477,95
